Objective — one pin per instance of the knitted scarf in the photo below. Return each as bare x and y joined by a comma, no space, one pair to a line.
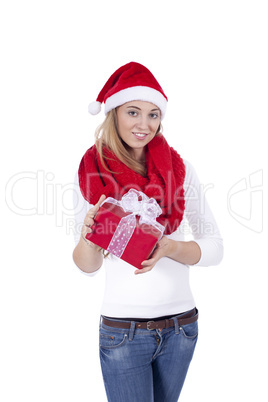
164,179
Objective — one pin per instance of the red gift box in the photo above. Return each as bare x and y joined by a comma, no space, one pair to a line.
140,236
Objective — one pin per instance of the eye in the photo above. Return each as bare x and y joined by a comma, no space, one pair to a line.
154,115
133,113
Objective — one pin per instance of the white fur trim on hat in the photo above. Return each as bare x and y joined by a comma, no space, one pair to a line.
141,93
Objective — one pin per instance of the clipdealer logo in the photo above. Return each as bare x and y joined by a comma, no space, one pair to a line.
37,193
43,196
245,201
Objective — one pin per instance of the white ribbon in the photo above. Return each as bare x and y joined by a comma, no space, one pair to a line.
148,210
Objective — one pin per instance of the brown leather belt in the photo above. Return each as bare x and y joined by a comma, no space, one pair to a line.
187,318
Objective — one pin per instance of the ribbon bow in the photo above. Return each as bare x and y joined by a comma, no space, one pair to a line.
139,204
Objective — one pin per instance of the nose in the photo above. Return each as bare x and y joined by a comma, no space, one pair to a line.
142,122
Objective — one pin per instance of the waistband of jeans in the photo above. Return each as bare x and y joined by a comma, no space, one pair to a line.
183,319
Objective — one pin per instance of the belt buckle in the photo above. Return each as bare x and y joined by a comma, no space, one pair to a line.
149,323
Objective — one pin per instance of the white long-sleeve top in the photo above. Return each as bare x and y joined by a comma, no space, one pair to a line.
165,290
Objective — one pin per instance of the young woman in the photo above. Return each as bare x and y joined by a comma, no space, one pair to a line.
148,327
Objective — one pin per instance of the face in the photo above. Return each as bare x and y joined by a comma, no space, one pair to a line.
137,124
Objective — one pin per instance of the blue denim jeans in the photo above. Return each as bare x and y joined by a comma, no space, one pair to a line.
140,365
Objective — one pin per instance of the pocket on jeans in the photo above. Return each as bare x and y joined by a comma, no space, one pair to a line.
111,340
190,331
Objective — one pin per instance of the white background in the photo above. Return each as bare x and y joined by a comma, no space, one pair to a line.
211,59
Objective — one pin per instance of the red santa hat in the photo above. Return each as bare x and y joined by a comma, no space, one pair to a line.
130,82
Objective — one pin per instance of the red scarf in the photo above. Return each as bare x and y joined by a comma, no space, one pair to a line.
164,179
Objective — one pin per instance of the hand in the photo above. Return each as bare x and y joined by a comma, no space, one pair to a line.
89,219
161,250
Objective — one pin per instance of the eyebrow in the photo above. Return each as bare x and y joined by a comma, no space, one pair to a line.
136,107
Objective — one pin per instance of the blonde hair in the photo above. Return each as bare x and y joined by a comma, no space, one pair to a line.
107,136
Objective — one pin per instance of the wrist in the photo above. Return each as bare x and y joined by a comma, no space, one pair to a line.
173,248
87,243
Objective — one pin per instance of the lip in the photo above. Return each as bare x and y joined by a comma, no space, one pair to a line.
144,135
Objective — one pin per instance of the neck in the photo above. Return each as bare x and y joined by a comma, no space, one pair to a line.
139,155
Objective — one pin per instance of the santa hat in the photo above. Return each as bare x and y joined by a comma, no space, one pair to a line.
130,82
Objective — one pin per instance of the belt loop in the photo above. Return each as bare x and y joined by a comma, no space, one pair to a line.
132,330
177,330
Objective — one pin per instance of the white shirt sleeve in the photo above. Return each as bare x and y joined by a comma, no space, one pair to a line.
81,207
201,221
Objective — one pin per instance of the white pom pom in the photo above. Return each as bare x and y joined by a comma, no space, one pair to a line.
94,108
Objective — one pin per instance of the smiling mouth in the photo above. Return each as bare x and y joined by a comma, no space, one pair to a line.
140,136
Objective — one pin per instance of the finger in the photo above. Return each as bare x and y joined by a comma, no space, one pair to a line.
97,206
88,226
92,212
143,270
85,230
102,198
89,220
147,263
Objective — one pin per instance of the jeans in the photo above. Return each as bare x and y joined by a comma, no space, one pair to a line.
141,365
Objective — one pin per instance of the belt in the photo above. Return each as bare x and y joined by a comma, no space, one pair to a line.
187,318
